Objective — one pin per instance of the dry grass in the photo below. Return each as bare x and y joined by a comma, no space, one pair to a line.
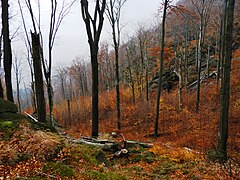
28,142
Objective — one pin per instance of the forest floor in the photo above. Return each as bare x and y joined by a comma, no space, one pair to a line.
30,153
185,148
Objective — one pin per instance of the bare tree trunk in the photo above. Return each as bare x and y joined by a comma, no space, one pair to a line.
33,96
130,76
41,105
225,91
186,55
196,52
114,14
18,96
63,89
147,69
1,87
118,90
200,43
94,27
17,70
95,91
69,112
219,53
161,69
180,85
7,50
141,45
26,93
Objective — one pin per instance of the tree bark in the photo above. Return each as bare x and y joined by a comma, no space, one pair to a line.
94,27
1,89
186,55
95,91
7,50
114,12
37,66
225,90
131,76
219,53
200,44
18,94
147,69
161,69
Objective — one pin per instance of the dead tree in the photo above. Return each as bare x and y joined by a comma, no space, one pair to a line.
41,105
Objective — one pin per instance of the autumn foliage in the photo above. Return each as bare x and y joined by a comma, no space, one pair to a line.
184,129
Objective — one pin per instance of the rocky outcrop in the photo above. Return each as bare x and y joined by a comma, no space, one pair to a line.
168,80
7,107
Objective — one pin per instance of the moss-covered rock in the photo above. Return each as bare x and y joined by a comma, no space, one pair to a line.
11,116
7,106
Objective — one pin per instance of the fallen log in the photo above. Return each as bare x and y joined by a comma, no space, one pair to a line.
137,143
31,117
107,145
94,140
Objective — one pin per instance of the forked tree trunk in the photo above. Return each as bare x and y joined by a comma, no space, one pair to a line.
94,27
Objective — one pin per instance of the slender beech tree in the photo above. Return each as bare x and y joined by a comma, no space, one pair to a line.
225,88
219,51
141,36
18,77
114,13
28,54
203,8
147,73
94,28
1,87
186,53
7,50
55,22
62,79
129,53
166,4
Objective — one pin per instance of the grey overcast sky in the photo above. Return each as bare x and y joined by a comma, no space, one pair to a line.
72,38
